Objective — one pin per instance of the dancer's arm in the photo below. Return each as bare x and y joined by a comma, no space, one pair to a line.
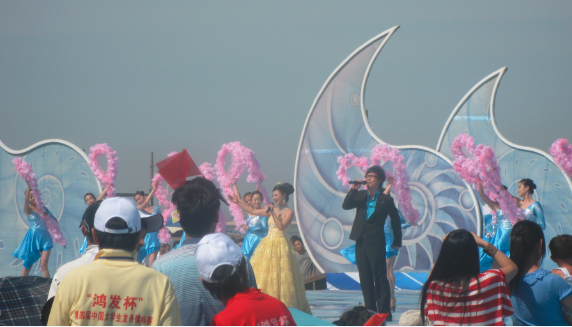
352,200
148,198
103,194
247,208
286,218
236,191
389,185
492,204
27,209
507,266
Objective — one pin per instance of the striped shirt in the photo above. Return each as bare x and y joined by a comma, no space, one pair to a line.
487,302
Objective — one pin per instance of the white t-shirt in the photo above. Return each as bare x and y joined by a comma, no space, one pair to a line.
87,257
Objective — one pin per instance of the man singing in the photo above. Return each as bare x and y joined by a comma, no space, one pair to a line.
373,207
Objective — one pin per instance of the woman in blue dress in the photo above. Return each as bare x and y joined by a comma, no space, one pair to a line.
256,227
497,234
89,198
152,244
37,242
531,209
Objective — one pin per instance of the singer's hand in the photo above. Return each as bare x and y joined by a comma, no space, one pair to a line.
356,186
270,208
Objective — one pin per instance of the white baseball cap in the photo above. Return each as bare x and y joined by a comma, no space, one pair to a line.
117,207
215,250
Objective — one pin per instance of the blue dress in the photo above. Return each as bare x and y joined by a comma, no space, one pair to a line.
534,213
152,243
36,240
257,230
350,252
498,235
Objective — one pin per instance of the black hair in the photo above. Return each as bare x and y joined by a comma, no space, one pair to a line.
89,217
142,193
247,194
357,316
295,238
378,171
456,265
46,309
561,247
198,203
284,188
531,186
126,242
257,193
85,196
525,238
227,284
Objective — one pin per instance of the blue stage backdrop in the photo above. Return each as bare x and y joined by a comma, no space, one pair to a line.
475,115
64,177
337,124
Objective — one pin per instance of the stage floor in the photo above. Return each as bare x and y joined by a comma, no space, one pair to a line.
329,305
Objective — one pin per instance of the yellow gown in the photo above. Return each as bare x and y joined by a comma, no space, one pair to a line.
277,270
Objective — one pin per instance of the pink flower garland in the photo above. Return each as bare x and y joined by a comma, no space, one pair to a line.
348,161
226,179
481,163
401,184
108,177
254,174
168,207
24,169
561,150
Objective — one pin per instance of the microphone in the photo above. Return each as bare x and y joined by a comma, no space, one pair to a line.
358,182
268,210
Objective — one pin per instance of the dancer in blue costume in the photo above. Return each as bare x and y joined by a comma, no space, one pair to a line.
256,226
89,198
152,244
497,234
37,243
390,253
531,210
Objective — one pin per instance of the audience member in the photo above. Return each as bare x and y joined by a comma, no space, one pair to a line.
538,296
109,290
198,203
561,253
223,272
357,316
457,294
306,265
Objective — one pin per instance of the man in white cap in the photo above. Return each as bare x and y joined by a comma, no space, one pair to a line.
114,289
223,272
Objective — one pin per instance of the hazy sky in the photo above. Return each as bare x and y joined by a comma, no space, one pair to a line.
159,76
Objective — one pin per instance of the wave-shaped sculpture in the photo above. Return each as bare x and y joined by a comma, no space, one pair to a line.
337,124
475,115
64,176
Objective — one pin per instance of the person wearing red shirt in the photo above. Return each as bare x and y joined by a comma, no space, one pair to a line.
223,273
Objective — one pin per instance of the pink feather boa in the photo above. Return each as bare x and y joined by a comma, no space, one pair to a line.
474,163
24,169
401,183
561,150
209,173
255,175
168,207
348,161
227,178
108,177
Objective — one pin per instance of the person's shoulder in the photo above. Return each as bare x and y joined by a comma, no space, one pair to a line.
492,275
180,256
558,272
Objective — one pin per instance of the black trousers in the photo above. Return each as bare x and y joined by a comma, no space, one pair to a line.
372,268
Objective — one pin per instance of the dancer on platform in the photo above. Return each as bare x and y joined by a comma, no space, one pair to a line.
531,209
152,243
256,226
37,243
274,262
373,207
89,198
497,234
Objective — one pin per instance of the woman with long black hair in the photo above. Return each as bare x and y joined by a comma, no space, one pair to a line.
457,293
537,295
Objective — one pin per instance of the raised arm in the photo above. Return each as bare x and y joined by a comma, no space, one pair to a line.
236,191
389,185
148,198
27,209
507,266
492,204
103,194
248,209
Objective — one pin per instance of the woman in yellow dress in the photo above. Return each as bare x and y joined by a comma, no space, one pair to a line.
274,263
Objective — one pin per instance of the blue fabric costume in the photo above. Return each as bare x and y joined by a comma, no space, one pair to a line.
36,240
350,252
257,230
83,246
498,235
152,242
534,213
183,238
